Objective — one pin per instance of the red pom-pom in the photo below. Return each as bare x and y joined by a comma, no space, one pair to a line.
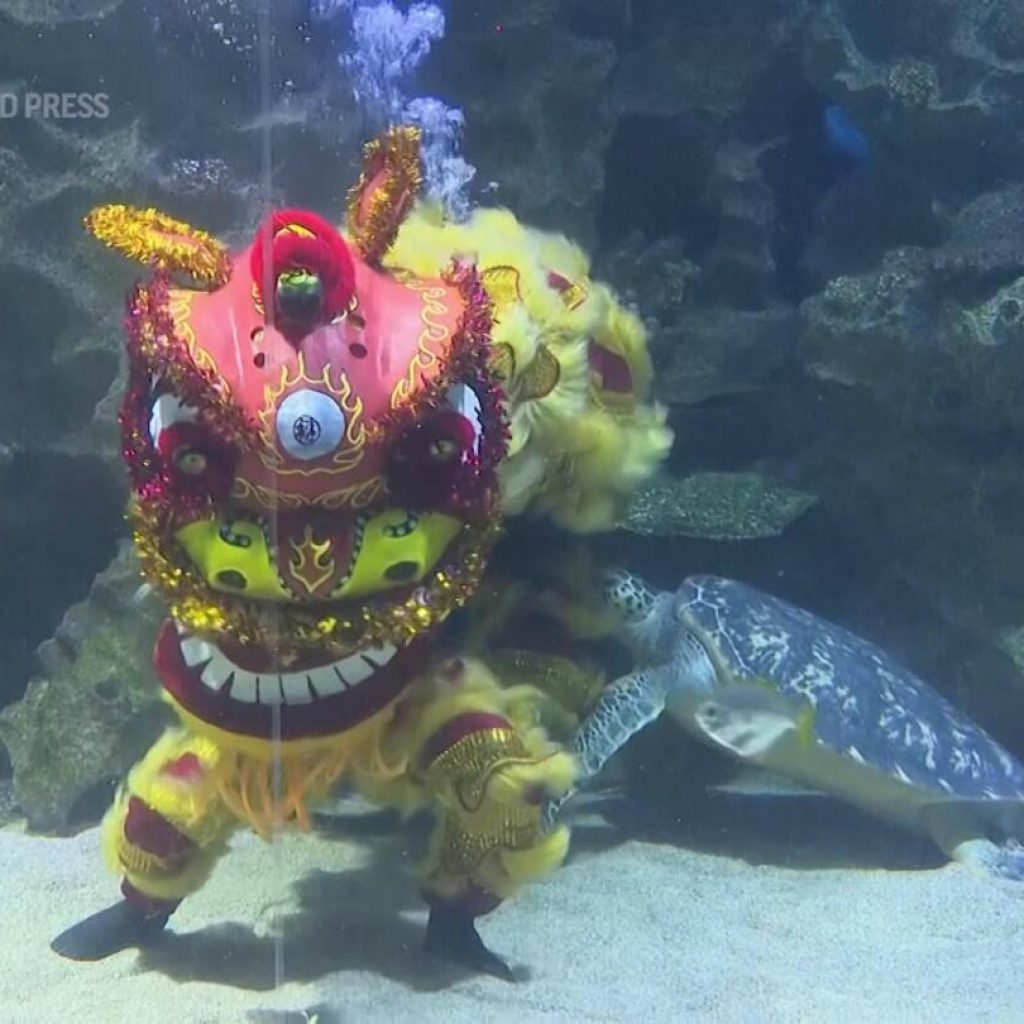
299,240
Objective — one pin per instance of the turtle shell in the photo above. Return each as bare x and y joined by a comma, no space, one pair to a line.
867,706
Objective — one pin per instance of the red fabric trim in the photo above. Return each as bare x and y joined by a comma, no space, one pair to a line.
458,728
148,905
147,830
474,900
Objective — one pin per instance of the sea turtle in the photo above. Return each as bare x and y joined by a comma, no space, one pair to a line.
788,692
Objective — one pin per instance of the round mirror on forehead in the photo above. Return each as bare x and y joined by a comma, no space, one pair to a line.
310,424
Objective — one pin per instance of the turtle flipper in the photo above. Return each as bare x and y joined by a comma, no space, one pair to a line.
452,935
962,828
117,927
624,708
1004,860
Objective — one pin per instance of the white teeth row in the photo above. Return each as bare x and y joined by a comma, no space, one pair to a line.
222,675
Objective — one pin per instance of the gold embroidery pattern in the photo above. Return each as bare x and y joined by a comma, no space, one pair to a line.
434,332
357,496
502,285
179,305
311,563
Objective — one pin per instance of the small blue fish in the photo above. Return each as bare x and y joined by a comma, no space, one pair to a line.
846,141
822,150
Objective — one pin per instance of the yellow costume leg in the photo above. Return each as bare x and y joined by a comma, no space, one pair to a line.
164,833
486,769
171,821
168,825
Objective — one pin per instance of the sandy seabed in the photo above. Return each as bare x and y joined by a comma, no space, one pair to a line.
328,928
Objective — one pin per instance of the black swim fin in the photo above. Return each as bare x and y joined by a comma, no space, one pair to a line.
100,935
452,935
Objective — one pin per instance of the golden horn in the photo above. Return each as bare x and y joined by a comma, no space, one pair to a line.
153,238
387,187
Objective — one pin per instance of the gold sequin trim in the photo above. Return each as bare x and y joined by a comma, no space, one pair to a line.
467,766
463,850
541,376
341,627
139,862
387,187
155,239
502,285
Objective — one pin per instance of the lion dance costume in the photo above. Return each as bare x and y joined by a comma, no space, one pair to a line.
324,433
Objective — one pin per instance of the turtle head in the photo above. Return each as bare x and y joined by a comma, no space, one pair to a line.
628,596
636,606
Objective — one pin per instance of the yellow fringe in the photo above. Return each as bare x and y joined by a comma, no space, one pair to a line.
270,785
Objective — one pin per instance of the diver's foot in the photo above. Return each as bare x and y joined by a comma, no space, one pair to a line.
452,934
118,927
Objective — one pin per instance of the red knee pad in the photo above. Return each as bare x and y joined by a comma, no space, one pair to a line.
148,831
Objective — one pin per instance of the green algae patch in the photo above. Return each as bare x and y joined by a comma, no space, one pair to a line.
715,506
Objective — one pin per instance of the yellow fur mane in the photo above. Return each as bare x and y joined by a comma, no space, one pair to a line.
576,451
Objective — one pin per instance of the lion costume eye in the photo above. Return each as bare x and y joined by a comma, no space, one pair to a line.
430,464
195,460
190,453
444,449
190,461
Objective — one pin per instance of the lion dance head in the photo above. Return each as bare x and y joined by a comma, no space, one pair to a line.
313,444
